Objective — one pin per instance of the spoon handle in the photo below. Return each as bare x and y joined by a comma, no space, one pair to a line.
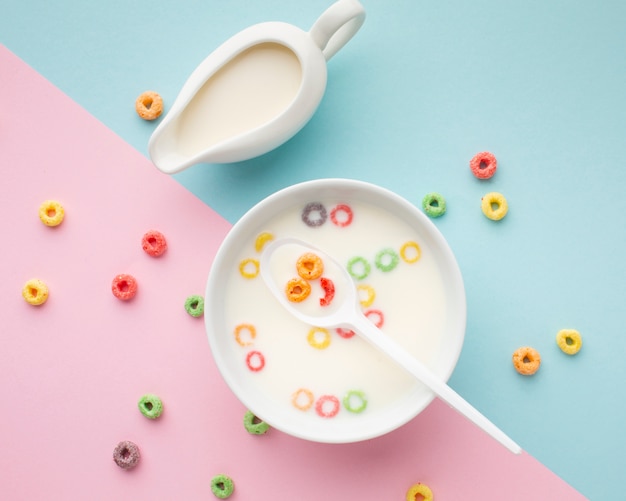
399,355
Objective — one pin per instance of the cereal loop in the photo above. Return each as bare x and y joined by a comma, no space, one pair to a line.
126,455
526,360
261,240
419,492
483,165
153,243
386,260
494,206
327,406
124,287
314,214
313,338
35,292
249,268
569,340
410,252
345,333
245,334
149,105
355,401
150,406
255,361
254,425
297,290
310,266
51,213
359,268
376,317
434,204
328,286
302,399
194,305
341,215
222,486
370,295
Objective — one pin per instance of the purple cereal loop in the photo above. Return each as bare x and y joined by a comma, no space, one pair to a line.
126,455
314,207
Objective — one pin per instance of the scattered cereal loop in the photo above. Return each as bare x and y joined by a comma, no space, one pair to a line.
319,338
367,294
345,333
51,213
124,287
327,406
494,206
328,286
254,425
386,260
314,214
483,165
410,252
153,243
310,266
376,317
149,105
419,492
354,401
297,290
569,340
126,455
359,268
255,361
434,204
245,334
341,215
35,292
249,268
302,399
526,360
261,240
150,406
222,486
194,305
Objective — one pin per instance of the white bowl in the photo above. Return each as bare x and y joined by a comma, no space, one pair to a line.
438,310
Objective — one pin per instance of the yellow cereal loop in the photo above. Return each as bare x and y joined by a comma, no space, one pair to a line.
51,213
367,294
410,252
35,292
494,206
569,340
419,492
319,338
261,240
249,268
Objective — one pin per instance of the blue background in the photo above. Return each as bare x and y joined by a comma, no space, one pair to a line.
419,90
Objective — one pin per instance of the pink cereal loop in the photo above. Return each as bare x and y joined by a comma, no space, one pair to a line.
483,165
255,361
345,333
324,402
378,322
344,221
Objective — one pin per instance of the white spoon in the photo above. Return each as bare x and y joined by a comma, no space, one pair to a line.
346,313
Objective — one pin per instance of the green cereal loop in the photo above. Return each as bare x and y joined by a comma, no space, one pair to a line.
194,305
434,204
363,262
150,406
355,395
254,425
393,260
222,486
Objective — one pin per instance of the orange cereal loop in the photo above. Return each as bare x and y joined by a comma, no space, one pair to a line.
297,290
419,492
310,266
245,334
526,360
51,213
35,292
302,399
569,340
149,105
261,240
249,268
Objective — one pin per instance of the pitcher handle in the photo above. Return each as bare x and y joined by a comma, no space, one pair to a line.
336,26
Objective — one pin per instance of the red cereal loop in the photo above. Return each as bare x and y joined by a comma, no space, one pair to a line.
327,406
483,165
329,291
124,287
154,243
375,316
255,361
344,333
346,215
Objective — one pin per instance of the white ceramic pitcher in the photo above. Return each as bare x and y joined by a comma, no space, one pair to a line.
252,93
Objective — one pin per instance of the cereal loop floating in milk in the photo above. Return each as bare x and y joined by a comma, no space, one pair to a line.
255,361
341,215
314,214
410,252
245,334
249,268
261,240
328,286
359,268
302,399
367,294
344,333
386,260
327,406
319,338
376,317
355,401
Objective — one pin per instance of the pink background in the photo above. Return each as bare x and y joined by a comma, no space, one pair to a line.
73,369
